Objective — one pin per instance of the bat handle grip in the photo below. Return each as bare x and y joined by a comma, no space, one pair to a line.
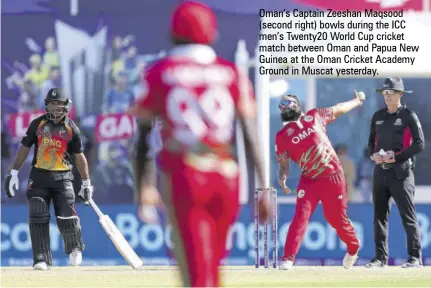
95,207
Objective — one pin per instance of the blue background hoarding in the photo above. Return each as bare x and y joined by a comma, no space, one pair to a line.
151,242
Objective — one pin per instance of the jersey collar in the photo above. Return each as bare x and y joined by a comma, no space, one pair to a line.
403,106
299,119
64,120
202,54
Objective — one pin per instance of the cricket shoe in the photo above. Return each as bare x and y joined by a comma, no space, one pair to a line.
376,263
412,263
40,266
75,258
349,260
286,265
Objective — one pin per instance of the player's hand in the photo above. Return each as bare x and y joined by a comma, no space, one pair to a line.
11,183
150,199
283,186
86,192
389,157
377,158
265,207
359,95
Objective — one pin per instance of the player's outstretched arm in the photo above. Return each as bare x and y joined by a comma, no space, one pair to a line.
344,107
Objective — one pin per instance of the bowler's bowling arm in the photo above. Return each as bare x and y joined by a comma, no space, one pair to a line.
344,107
22,154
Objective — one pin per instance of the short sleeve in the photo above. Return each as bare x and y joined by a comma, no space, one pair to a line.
146,98
326,115
280,152
75,146
30,136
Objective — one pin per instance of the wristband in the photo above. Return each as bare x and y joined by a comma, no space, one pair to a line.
86,182
14,172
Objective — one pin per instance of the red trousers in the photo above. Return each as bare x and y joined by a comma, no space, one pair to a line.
332,192
201,206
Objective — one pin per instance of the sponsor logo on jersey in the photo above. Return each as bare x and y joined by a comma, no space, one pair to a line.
290,131
308,118
398,122
301,193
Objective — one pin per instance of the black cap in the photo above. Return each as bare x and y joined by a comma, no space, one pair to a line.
393,83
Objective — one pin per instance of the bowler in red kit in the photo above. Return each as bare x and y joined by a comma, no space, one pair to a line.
304,140
198,96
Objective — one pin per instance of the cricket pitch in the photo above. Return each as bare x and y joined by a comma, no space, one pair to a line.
232,276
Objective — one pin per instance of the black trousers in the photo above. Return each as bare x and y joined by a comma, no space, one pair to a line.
400,185
55,186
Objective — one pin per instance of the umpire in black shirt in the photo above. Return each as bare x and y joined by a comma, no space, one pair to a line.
396,131
56,139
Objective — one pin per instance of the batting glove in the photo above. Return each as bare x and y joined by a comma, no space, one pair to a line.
86,192
11,183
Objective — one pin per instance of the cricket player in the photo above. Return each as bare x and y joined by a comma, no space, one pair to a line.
198,96
304,140
56,139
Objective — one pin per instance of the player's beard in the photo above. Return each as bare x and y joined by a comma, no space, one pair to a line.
290,114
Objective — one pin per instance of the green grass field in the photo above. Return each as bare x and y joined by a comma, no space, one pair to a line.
233,276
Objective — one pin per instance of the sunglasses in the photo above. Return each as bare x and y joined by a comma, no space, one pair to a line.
389,92
285,102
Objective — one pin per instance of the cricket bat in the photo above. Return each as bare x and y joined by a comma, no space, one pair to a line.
117,238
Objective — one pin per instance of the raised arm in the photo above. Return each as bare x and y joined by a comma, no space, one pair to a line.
344,107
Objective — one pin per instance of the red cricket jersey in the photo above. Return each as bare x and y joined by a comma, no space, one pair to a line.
305,141
197,95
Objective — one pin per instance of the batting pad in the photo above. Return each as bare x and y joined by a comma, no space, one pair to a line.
39,230
70,230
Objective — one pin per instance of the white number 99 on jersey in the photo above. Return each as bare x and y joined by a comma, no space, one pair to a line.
208,115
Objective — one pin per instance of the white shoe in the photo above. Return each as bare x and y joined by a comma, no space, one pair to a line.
286,265
75,258
40,266
412,263
349,260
